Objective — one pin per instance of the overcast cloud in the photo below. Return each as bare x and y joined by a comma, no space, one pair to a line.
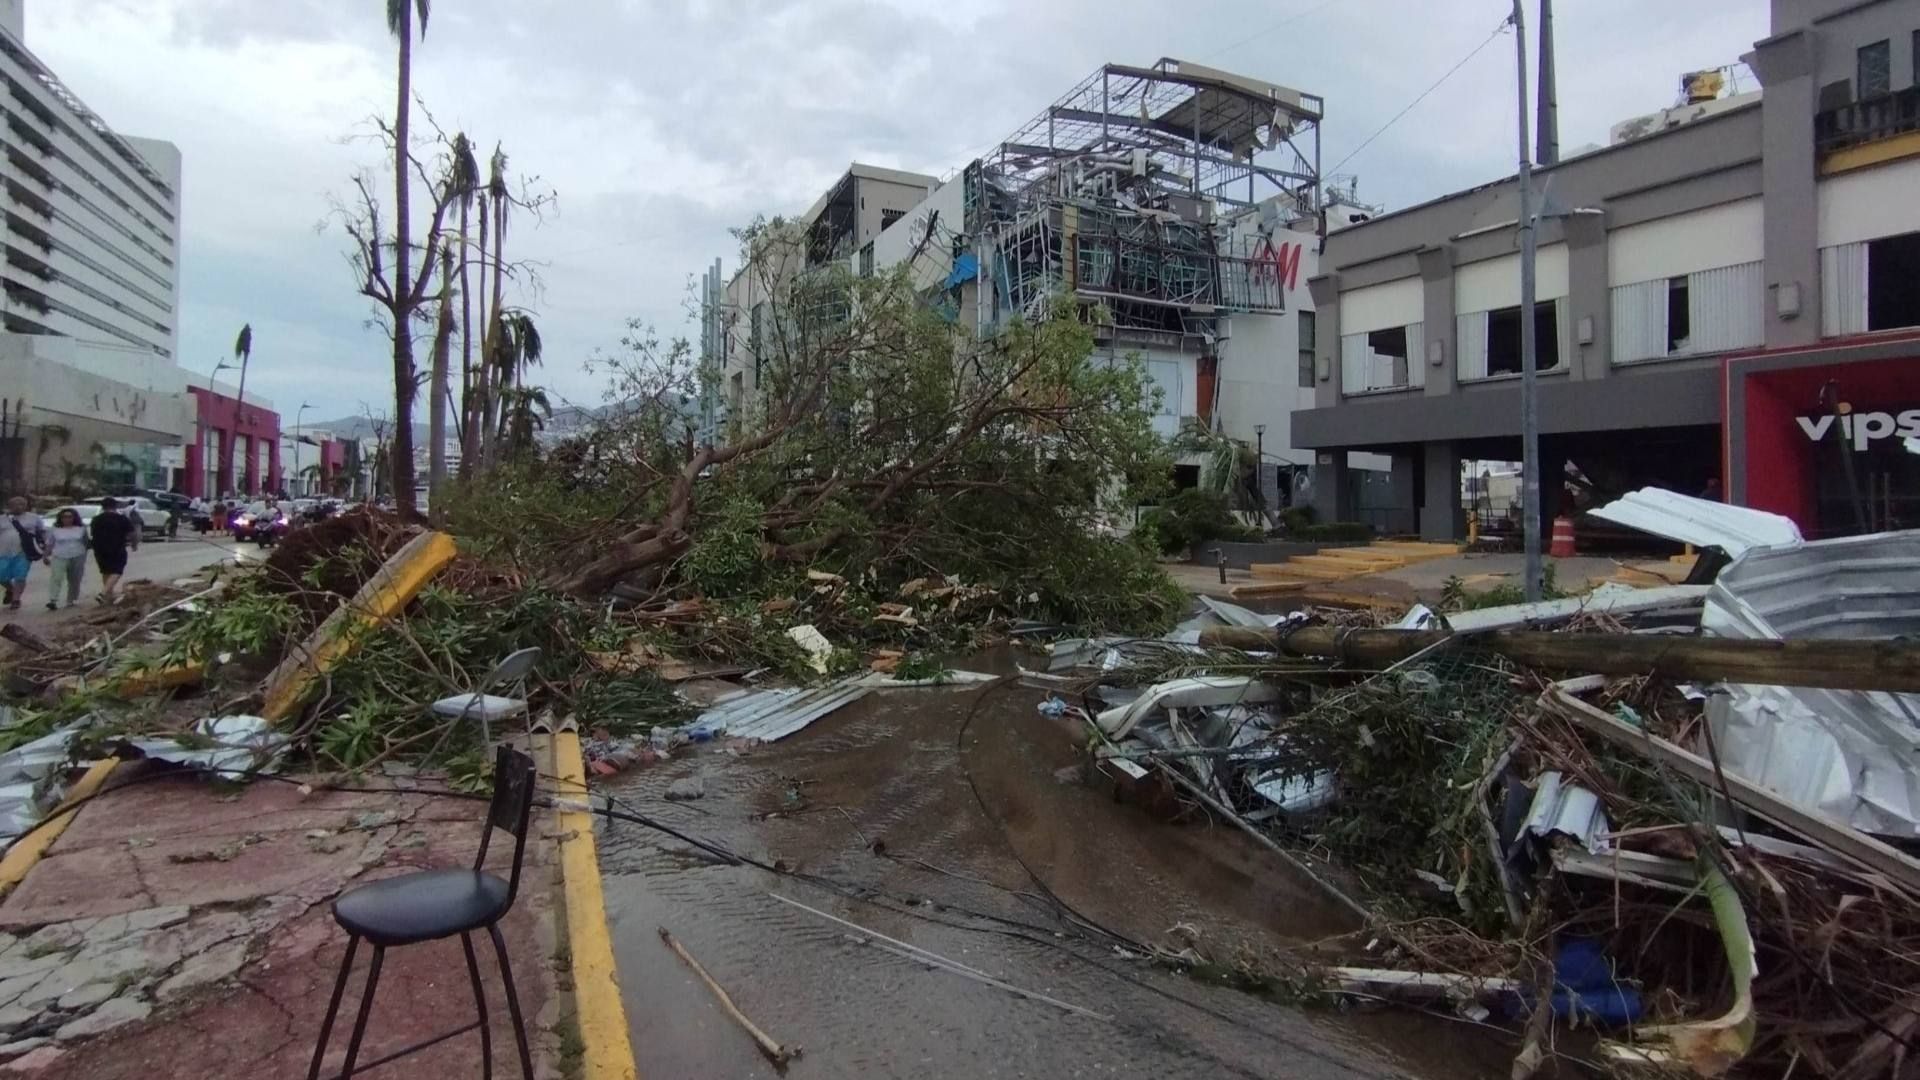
662,124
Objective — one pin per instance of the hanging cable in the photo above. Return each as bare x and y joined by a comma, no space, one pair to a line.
1368,141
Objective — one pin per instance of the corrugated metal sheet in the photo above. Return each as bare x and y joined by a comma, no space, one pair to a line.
1639,323
1843,289
1613,599
1850,754
775,714
1700,522
1725,308
1567,809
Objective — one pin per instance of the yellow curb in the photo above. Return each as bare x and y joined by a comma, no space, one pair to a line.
26,854
596,985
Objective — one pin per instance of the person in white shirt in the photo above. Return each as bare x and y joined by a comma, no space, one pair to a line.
23,541
67,546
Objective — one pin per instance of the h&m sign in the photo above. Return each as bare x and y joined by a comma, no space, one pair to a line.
1863,428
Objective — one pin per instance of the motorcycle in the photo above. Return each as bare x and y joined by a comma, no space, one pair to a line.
263,529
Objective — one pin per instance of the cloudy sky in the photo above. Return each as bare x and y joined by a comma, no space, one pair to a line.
663,123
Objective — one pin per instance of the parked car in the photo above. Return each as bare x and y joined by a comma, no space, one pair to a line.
155,522
181,508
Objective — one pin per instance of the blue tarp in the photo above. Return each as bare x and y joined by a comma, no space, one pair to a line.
965,268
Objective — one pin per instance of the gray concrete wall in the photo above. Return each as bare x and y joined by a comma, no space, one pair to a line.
1678,393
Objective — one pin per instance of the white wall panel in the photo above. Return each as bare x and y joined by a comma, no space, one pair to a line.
1470,344
1866,203
1639,325
1725,235
1381,307
1843,289
1495,283
1417,354
1726,308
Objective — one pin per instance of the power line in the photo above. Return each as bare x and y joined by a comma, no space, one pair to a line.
1497,31
1258,34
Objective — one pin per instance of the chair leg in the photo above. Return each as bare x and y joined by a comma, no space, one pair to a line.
333,1006
480,1002
366,1010
513,1001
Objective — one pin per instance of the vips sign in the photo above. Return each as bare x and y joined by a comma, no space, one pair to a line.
1863,428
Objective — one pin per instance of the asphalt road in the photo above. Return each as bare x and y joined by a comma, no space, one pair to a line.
160,561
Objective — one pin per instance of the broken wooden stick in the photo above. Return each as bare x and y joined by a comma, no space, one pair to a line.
774,1051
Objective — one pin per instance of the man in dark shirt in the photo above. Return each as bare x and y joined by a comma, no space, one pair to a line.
113,535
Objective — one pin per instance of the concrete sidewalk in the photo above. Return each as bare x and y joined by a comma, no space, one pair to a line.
179,930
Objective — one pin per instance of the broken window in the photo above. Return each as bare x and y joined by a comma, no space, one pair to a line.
1875,74
866,260
1679,324
1307,331
888,217
755,342
1503,338
1893,282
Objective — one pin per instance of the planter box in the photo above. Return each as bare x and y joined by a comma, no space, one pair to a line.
1242,555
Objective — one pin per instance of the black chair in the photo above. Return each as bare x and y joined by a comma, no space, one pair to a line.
432,904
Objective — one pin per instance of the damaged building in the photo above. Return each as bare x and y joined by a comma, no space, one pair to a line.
1180,207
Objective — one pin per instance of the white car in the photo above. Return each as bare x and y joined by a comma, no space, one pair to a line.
154,521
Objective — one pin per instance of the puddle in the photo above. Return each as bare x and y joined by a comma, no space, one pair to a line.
954,830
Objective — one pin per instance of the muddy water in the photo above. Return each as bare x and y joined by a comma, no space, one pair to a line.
886,772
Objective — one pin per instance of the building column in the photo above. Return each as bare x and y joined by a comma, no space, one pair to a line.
1786,67
1325,291
196,470
249,463
1441,515
1436,284
1332,499
1403,508
1589,299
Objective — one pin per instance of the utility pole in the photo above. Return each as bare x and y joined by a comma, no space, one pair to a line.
1529,356
1548,118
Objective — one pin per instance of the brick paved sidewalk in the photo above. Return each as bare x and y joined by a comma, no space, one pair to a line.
181,930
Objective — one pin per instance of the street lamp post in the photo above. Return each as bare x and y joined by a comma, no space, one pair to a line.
297,414
1260,463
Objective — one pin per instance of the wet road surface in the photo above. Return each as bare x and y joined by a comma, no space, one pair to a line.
949,877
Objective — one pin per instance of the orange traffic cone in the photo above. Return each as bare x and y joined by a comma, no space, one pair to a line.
1562,547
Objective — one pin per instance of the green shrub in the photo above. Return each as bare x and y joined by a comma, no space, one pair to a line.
1193,516
1297,518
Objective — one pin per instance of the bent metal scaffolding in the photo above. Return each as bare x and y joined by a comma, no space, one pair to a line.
1138,191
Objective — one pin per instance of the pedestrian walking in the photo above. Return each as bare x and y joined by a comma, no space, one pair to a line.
114,535
23,539
67,545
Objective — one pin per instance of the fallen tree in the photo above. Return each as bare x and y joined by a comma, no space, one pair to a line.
871,434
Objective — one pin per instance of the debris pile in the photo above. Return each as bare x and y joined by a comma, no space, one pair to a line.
1672,815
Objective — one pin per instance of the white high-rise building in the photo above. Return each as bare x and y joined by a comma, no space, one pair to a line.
89,287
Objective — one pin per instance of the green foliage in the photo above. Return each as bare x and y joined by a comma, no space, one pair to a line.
919,666
726,559
1454,595
1193,516
1296,518
245,619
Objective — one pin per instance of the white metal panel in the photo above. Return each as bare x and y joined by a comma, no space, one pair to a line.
1417,354
1843,289
1639,325
1381,307
1869,203
1700,522
1495,283
1725,235
1726,308
1354,374
1470,345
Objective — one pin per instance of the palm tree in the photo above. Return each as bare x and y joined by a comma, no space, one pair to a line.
474,410
400,15
500,197
517,347
526,410
463,178
243,352
466,186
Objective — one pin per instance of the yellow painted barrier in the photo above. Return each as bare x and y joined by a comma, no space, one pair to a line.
596,985
382,597
27,852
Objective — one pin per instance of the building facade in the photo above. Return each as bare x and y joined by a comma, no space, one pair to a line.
89,290
1728,303
236,445
1183,201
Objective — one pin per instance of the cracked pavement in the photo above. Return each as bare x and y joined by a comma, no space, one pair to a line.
177,929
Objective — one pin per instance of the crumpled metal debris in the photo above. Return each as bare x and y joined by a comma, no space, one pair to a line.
230,745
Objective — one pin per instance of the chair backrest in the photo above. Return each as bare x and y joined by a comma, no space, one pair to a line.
512,669
511,808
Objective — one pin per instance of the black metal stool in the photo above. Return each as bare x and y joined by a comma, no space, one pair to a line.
432,904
